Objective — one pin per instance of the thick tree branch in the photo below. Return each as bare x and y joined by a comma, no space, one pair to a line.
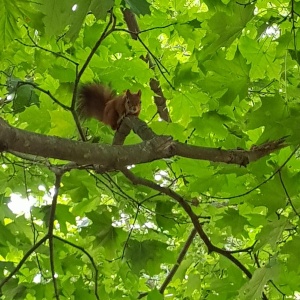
116,157
235,156
107,157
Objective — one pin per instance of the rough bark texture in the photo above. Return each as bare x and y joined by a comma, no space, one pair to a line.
115,157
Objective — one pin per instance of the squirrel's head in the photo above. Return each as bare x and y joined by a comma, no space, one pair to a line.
133,102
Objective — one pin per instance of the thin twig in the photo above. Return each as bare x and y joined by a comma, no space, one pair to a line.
257,186
159,98
130,232
179,260
248,249
21,83
33,227
157,27
23,260
105,33
90,258
58,176
160,66
287,194
176,265
279,291
294,28
35,45
210,247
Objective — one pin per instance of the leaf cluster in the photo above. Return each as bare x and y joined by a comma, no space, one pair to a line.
186,228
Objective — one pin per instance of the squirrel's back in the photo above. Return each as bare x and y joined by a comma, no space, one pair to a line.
92,98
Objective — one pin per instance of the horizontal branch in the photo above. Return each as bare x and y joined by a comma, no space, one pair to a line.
115,157
106,156
234,156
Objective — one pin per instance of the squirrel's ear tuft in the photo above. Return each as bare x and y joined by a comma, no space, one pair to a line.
139,93
128,93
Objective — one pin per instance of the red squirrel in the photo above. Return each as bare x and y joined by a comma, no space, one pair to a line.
99,102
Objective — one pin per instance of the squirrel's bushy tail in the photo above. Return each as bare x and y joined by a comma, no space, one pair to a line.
92,99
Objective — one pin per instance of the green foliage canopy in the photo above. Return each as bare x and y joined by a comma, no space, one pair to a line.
230,73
